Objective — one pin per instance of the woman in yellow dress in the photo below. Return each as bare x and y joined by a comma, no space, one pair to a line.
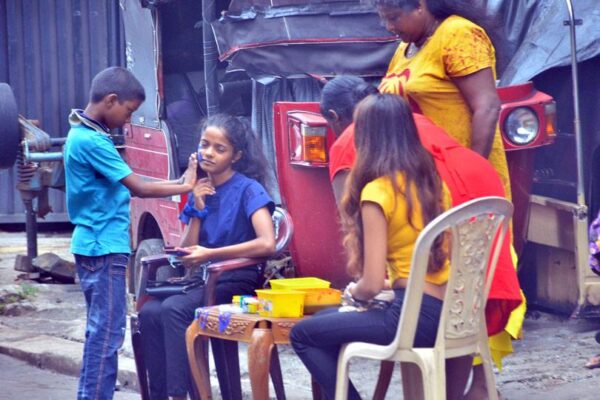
445,68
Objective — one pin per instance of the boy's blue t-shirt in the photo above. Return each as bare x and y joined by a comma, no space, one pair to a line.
230,209
97,203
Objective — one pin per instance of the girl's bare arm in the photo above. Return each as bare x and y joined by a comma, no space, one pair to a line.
372,280
262,246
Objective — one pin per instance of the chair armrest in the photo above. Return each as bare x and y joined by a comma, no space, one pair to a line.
215,270
150,265
156,260
234,263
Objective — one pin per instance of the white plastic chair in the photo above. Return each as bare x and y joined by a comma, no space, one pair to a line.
473,228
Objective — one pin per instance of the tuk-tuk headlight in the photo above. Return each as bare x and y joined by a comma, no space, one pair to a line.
521,126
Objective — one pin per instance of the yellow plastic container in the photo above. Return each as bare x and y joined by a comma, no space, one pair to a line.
317,299
280,303
299,283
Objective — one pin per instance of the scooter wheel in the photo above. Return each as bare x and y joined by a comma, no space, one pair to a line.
10,134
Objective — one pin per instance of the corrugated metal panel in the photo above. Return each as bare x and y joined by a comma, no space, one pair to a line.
49,52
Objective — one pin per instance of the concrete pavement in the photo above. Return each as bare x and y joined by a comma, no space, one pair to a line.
21,380
46,328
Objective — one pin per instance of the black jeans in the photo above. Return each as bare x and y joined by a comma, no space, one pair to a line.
318,340
163,325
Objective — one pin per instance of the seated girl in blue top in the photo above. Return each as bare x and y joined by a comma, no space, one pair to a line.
228,215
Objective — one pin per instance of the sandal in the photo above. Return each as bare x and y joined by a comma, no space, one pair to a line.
593,362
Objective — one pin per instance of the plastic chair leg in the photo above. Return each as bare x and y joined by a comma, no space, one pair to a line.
341,382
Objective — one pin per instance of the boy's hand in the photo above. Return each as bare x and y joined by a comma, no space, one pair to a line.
202,188
189,176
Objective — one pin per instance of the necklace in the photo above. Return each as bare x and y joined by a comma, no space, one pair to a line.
413,49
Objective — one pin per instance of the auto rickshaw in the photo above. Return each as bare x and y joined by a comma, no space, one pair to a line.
256,54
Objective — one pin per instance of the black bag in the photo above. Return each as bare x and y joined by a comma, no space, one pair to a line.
164,289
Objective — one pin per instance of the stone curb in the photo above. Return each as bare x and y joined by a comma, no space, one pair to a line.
56,354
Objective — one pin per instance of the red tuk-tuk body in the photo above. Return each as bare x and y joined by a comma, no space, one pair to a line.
155,144
316,246
520,157
306,189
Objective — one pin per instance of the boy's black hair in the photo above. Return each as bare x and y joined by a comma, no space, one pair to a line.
117,80
240,134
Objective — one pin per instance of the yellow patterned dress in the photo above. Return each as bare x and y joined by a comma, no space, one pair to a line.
457,48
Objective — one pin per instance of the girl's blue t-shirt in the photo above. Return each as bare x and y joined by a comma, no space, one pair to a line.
230,209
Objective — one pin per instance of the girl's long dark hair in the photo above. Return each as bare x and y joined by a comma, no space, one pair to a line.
240,134
387,144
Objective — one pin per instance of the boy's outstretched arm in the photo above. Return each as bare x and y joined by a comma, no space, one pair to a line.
141,188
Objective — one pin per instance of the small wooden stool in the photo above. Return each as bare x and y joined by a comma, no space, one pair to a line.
261,334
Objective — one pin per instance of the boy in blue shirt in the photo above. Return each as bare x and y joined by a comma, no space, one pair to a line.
99,185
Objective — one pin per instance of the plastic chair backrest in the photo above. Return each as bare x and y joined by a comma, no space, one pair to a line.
476,230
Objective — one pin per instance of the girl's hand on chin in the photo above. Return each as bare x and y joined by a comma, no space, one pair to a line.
202,188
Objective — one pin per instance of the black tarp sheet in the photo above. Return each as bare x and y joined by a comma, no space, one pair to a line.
321,38
532,36
536,39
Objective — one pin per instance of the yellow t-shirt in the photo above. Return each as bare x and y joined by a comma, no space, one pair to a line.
401,236
457,48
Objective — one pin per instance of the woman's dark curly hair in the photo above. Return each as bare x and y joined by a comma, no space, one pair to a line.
240,134
442,9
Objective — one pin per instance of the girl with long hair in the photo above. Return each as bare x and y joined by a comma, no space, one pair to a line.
392,192
228,215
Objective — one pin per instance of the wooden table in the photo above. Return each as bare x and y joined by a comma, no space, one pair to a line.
261,334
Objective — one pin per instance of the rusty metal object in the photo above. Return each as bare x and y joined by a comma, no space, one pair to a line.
25,170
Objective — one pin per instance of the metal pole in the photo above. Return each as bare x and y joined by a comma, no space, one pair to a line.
31,229
209,13
580,220
576,122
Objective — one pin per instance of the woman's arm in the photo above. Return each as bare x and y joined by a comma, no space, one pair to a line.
479,91
262,246
372,280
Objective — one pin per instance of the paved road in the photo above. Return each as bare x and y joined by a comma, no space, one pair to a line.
20,380
547,363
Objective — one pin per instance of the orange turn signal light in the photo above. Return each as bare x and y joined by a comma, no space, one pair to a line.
550,114
314,148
